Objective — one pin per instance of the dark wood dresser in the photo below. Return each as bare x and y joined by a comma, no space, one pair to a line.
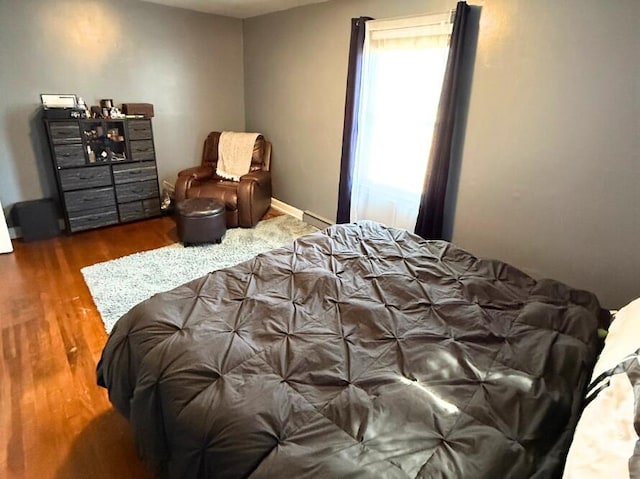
105,171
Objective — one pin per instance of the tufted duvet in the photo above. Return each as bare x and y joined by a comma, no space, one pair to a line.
360,351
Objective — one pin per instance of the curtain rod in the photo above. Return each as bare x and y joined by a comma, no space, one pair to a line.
450,20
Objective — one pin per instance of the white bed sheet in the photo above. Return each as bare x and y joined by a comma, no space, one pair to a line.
605,437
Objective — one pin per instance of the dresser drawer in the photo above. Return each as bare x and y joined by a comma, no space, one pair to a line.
136,191
131,211
138,210
88,177
151,207
134,172
139,129
142,150
89,199
69,155
94,218
64,132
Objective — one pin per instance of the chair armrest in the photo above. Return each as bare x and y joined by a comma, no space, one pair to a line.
261,177
197,172
254,197
188,176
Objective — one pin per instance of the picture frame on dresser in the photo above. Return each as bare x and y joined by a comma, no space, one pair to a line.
105,171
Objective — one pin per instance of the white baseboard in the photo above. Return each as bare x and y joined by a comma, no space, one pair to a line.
285,208
316,220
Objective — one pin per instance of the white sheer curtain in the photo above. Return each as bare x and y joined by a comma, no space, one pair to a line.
403,68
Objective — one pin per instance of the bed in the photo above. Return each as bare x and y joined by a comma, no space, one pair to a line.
360,351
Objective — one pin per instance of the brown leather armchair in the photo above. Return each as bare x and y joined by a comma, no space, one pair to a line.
245,201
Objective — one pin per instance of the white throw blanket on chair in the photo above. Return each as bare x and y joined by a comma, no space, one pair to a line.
234,154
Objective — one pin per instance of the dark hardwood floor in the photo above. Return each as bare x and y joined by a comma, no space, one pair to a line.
55,422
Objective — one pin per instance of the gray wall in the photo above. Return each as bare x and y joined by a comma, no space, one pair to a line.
550,165
188,64
550,177
550,173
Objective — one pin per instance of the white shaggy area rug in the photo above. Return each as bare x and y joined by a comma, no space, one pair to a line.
120,284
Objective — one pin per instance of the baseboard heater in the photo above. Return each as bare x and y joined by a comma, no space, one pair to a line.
315,220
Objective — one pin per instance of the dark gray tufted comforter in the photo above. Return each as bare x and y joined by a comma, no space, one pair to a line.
358,352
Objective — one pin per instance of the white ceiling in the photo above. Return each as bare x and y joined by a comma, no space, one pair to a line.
236,8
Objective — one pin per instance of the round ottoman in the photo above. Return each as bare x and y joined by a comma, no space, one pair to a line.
200,220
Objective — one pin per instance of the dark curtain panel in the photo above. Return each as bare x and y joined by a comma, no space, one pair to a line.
350,129
432,203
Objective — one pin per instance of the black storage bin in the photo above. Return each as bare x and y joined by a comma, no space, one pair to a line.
38,219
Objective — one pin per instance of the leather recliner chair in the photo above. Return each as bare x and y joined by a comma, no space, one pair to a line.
247,200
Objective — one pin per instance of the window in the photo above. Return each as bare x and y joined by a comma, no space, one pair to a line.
404,61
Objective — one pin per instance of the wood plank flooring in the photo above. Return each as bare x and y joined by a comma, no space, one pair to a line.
55,422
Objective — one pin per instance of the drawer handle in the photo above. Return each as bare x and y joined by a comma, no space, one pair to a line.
64,133
140,129
143,149
135,172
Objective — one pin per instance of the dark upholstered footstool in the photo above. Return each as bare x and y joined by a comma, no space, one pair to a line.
200,220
